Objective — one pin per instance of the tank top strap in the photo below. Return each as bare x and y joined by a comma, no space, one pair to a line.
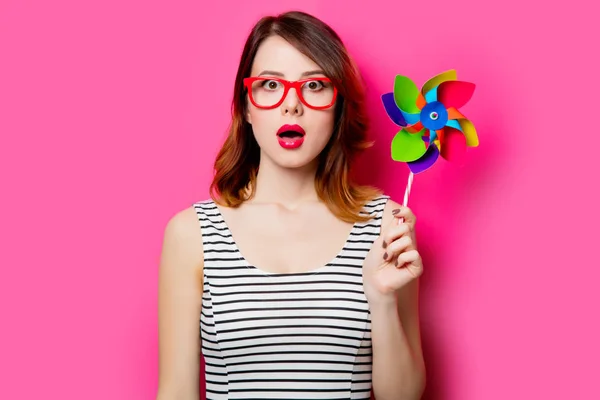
210,219
364,233
217,240
374,208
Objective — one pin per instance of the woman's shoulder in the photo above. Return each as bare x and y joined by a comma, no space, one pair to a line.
182,249
183,229
379,198
202,204
382,201
183,224
383,204
186,219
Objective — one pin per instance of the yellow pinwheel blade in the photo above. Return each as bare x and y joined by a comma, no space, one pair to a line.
469,131
449,75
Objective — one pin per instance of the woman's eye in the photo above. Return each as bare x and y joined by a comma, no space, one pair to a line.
272,85
315,85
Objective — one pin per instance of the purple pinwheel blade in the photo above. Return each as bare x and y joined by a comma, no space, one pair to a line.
426,161
392,109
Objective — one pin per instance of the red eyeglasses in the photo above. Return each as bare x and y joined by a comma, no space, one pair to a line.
266,93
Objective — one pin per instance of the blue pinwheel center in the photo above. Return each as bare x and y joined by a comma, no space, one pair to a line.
434,116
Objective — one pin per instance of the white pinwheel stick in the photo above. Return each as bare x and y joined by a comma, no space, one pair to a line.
407,191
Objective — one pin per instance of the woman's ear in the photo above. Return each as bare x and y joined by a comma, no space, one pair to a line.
247,113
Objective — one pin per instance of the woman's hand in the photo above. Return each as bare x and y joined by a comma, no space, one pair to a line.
393,260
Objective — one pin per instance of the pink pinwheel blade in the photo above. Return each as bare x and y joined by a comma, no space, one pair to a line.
454,145
455,93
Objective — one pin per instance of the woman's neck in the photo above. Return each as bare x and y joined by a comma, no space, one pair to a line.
289,187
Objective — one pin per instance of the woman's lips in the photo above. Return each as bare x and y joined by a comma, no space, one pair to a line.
291,128
290,142
291,136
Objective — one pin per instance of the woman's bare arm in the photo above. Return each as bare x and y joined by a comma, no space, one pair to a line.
179,305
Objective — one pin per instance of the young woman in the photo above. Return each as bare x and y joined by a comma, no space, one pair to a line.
291,281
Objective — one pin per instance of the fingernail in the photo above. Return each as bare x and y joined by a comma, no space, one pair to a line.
384,245
385,255
395,211
396,262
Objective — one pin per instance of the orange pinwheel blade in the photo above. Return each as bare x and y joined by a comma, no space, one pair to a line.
421,102
440,134
453,113
414,128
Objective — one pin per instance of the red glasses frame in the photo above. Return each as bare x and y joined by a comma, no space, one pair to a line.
287,85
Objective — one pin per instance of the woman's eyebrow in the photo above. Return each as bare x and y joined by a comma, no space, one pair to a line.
307,73
313,72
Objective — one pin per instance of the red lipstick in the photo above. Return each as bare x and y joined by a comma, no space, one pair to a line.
291,136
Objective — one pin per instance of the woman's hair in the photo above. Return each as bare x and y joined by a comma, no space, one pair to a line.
237,162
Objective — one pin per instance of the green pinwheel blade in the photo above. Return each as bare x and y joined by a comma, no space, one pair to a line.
408,146
406,94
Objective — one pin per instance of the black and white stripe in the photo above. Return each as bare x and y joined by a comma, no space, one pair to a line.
284,336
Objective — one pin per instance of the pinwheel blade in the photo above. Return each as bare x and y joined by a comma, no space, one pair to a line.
454,145
406,94
392,109
455,93
449,75
408,146
453,113
453,124
431,95
426,161
411,119
414,128
435,135
421,102
469,132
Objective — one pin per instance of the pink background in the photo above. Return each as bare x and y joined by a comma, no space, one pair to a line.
110,116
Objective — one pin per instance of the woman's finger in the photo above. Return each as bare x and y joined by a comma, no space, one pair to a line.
394,232
405,214
408,257
397,247
411,262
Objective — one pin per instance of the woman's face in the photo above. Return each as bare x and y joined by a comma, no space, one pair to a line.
276,58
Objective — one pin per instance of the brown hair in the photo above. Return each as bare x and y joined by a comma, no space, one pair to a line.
237,162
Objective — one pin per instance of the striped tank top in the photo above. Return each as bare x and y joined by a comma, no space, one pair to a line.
285,336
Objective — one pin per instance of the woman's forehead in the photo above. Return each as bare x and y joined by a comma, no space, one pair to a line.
277,55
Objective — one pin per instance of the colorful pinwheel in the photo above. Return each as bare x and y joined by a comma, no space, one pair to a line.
432,124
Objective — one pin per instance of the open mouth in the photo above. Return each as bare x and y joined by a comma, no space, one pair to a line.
290,136
291,131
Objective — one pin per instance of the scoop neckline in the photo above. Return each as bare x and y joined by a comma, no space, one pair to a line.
312,271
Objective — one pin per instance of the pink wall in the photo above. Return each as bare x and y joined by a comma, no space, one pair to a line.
111,113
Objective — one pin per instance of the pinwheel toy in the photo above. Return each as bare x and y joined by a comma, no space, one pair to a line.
432,125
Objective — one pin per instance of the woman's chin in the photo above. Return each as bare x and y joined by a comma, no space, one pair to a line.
295,160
